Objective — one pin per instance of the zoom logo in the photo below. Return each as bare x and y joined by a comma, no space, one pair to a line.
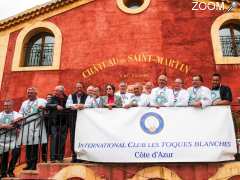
212,6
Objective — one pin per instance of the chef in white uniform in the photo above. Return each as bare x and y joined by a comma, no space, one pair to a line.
181,96
125,96
162,95
148,88
94,99
199,95
8,137
33,133
138,98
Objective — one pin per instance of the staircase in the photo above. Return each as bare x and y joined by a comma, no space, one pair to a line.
100,171
53,171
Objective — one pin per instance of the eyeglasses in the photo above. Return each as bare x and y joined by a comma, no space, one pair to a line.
108,88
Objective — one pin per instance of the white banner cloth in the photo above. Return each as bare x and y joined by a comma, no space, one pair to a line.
168,134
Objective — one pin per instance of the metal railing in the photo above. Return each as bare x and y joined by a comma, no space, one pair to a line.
38,137
39,55
42,136
230,46
17,138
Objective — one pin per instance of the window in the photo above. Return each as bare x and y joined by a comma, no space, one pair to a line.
133,6
39,50
230,39
225,34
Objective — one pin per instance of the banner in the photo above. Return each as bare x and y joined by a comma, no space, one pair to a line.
167,134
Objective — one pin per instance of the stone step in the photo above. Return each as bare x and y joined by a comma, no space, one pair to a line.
11,178
44,170
29,174
49,170
104,171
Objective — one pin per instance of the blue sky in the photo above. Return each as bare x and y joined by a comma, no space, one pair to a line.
11,7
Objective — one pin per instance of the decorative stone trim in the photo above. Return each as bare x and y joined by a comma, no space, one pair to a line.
227,171
4,39
217,48
155,172
124,8
23,38
37,11
76,171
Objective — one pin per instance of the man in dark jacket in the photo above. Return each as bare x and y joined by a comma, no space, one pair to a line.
221,95
58,114
47,121
76,102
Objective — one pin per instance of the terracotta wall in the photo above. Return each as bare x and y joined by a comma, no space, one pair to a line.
99,31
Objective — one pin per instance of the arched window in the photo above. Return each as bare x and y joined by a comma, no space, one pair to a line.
230,39
225,33
133,4
39,50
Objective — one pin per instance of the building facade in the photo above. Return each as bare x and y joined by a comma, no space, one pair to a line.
101,41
